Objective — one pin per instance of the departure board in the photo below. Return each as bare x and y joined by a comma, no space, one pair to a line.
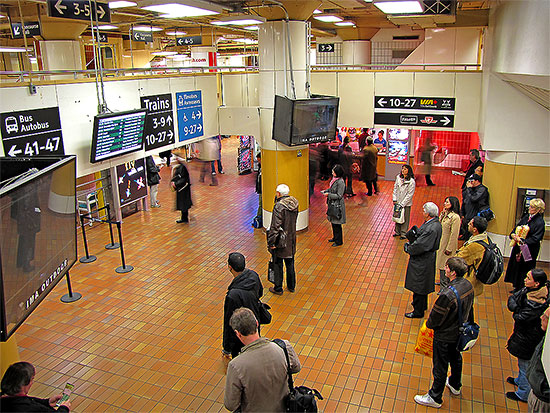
116,134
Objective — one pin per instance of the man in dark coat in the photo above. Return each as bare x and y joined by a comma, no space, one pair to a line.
475,198
281,238
420,277
475,161
443,320
182,185
368,166
345,158
244,291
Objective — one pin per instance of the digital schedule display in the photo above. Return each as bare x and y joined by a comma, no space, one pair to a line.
116,134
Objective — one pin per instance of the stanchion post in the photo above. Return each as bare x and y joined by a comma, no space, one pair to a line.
124,268
71,297
88,258
112,245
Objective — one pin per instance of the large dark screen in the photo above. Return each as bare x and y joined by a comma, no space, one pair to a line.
117,134
131,181
38,238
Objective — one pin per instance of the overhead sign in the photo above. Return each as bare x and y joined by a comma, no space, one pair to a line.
401,102
419,119
32,133
80,10
189,110
102,38
142,36
31,29
159,122
325,47
188,40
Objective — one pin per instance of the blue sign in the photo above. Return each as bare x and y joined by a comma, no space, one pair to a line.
189,110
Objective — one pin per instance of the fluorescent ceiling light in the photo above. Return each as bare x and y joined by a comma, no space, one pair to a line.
327,18
106,27
399,6
2,16
164,53
367,1
317,11
175,8
176,33
345,23
252,28
146,29
244,40
120,4
243,20
12,49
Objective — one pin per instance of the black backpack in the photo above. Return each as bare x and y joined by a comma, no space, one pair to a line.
492,265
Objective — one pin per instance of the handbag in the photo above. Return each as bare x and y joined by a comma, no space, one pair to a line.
398,214
333,210
468,332
271,271
300,398
425,341
265,315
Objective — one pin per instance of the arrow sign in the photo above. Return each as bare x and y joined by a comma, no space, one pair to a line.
188,40
14,152
31,29
445,121
16,30
79,10
382,102
326,47
142,36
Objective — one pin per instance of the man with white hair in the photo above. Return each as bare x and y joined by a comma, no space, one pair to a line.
281,238
420,278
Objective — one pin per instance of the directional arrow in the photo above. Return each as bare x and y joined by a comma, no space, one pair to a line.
170,134
59,7
12,152
382,102
199,127
16,31
136,35
445,121
169,120
100,11
199,115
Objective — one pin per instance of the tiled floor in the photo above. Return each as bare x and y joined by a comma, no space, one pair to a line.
150,340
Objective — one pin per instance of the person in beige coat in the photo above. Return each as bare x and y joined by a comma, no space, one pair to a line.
450,223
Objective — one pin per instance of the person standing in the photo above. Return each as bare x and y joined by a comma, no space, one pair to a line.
450,225
420,278
403,191
257,222
443,320
525,251
281,238
218,141
362,139
539,397
345,159
257,380
368,166
153,180
244,291
208,152
475,163
475,198
181,184
527,305
426,158
335,198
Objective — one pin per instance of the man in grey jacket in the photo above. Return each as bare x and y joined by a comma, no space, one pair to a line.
257,379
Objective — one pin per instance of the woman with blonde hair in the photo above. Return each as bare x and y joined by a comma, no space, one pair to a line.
526,239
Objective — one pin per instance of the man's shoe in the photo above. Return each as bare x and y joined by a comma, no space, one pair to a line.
412,314
454,391
291,290
511,380
222,172
513,396
426,400
334,244
274,291
331,240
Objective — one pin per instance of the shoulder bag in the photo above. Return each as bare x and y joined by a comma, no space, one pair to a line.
333,209
468,332
265,315
398,214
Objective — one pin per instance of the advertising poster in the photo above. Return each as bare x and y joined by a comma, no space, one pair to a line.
131,181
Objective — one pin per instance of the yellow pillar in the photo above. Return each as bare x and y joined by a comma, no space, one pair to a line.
9,354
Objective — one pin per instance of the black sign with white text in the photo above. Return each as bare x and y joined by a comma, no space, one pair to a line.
414,119
32,132
131,181
159,122
146,37
325,47
411,102
80,10
31,29
188,40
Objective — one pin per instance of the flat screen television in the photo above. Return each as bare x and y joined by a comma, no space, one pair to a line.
116,134
305,121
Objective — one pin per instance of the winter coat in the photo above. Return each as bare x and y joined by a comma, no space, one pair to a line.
473,252
537,376
527,305
450,225
403,191
336,195
516,271
420,278
474,200
209,149
153,176
28,404
368,166
471,170
183,197
259,181
285,214
345,158
244,291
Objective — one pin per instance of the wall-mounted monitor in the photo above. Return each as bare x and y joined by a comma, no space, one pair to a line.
305,121
116,134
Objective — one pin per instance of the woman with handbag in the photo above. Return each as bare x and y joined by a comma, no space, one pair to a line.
527,304
403,191
181,184
450,224
526,240
336,207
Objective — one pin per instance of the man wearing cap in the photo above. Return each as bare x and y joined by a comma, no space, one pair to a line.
281,238
368,166
475,198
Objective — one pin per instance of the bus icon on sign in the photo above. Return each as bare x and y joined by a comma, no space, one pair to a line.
11,125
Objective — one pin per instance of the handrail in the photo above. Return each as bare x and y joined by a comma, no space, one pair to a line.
22,76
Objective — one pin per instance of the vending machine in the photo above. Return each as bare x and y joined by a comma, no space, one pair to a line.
397,153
